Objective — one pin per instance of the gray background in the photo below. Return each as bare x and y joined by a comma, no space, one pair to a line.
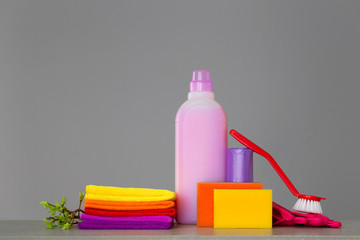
89,91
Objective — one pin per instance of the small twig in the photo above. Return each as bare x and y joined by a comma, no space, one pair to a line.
66,218
80,203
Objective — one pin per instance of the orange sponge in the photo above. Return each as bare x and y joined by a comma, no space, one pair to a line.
205,199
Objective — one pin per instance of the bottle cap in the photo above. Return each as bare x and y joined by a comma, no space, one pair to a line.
239,165
201,81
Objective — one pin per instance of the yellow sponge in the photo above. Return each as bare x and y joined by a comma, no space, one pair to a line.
242,208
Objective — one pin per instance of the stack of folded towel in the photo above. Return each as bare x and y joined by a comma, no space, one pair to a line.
127,208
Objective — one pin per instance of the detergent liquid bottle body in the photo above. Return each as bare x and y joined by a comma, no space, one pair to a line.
200,145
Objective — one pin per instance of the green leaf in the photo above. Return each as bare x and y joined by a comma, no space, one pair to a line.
45,204
53,212
66,214
61,209
63,201
50,226
81,196
66,226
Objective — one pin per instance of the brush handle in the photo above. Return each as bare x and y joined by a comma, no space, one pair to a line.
249,144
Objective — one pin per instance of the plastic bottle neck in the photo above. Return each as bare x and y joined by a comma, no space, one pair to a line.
209,95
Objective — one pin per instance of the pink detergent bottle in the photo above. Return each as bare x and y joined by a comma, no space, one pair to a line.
200,145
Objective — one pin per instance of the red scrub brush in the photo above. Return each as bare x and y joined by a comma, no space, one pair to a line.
305,203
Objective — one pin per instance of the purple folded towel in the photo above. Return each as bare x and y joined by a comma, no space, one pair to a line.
140,222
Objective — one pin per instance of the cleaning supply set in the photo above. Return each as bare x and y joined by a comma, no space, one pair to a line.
203,164
127,208
214,185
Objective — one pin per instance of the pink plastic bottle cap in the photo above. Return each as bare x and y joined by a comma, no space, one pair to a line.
201,75
201,81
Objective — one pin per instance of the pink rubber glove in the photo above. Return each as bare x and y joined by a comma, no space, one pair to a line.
282,216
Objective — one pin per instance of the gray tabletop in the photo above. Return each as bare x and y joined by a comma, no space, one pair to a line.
34,229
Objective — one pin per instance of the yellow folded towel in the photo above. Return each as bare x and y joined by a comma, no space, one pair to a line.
106,193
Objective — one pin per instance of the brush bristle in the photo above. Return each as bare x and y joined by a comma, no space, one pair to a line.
309,206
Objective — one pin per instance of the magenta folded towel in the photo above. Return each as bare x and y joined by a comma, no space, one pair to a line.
140,222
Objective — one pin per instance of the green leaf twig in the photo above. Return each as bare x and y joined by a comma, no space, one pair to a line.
65,218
